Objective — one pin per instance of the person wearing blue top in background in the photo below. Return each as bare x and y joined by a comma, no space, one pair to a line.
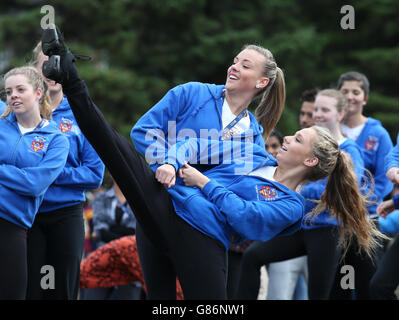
386,279
57,235
33,153
375,143
2,106
319,238
192,224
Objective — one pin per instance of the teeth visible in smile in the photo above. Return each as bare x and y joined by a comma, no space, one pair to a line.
16,103
233,77
284,148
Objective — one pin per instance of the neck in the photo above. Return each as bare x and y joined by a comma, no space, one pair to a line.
29,121
336,133
355,120
291,178
237,102
56,98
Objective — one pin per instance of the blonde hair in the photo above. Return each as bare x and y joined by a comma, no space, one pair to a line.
342,196
36,81
272,97
342,102
37,51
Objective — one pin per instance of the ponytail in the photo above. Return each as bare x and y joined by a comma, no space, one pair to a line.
271,106
272,97
343,199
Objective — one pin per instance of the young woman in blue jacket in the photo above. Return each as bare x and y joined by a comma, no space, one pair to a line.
191,228
57,235
319,237
33,153
375,143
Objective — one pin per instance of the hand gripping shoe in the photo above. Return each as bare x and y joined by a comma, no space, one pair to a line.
59,67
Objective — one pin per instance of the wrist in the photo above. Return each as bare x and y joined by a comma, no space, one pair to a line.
203,181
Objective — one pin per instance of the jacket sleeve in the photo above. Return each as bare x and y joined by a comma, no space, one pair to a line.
34,181
392,158
382,185
149,135
88,175
255,220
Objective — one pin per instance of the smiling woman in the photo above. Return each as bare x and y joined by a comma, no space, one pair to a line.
33,154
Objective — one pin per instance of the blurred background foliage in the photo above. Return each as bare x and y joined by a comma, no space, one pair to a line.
142,48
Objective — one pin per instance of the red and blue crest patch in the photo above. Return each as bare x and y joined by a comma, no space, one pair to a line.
38,144
65,125
266,193
371,143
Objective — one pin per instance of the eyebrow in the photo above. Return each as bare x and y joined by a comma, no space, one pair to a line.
245,60
18,85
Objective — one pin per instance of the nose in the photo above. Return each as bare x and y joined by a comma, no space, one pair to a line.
14,94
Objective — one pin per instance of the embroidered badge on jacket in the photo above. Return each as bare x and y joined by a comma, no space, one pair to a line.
266,193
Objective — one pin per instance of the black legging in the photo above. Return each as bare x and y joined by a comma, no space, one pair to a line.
13,264
319,244
198,261
56,239
364,267
385,281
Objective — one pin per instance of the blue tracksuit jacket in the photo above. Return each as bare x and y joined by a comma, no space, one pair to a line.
29,163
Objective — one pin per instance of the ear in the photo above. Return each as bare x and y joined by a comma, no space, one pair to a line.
263,83
341,115
366,99
39,93
311,162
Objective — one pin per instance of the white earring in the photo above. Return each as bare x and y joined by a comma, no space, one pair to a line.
257,86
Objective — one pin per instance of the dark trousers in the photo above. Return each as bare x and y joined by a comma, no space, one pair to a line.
167,245
234,272
56,239
319,244
386,279
364,267
13,266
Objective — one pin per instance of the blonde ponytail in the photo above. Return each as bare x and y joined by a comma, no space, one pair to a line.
342,196
272,97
